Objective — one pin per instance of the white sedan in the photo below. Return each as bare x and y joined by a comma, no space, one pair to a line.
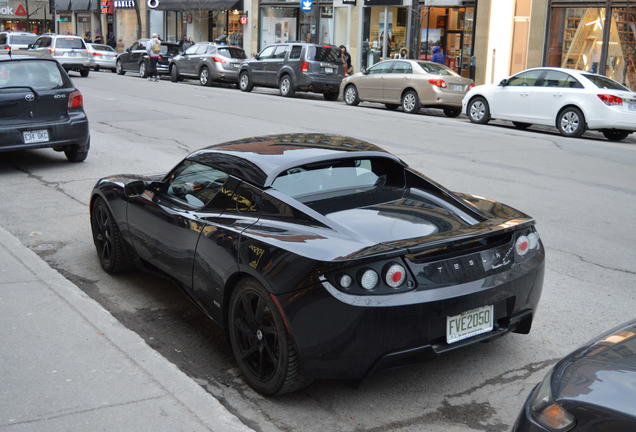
573,101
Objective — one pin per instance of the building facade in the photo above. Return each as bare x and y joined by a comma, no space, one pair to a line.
20,15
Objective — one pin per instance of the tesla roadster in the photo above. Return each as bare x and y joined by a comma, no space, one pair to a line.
324,256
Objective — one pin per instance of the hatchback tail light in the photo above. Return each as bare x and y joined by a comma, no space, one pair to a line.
217,59
610,100
304,67
438,82
8,48
52,50
75,100
97,54
471,85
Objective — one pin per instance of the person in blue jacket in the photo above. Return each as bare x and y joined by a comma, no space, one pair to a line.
438,55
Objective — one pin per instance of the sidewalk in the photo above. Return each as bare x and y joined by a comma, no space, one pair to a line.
67,365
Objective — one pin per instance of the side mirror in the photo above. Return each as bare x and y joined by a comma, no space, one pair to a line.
503,82
135,188
30,46
257,57
364,71
127,50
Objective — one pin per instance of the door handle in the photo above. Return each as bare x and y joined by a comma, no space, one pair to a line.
557,94
523,94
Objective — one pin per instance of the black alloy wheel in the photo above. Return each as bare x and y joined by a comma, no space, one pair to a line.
411,102
174,73
478,110
260,343
119,68
107,238
286,86
521,125
245,83
331,95
143,72
76,152
571,122
84,72
204,76
452,112
615,134
392,107
351,95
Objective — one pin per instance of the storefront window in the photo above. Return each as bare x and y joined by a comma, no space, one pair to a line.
278,24
83,22
384,34
621,54
326,25
174,26
234,28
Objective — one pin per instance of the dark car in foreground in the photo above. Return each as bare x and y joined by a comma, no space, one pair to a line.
324,256
295,66
135,58
592,389
40,107
208,62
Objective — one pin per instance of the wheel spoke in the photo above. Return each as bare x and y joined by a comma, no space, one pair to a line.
260,308
260,363
247,353
248,311
269,353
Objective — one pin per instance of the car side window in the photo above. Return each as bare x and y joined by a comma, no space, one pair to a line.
554,78
267,52
379,68
280,52
195,184
400,67
42,42
528,78
296,51
3,39
211,49
192,50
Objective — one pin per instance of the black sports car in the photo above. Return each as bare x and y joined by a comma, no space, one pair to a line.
592,389
324,256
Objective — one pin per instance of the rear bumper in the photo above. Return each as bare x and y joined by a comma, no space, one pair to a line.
318,83
61,134
612,118
225,75
74,63
108,64
443,98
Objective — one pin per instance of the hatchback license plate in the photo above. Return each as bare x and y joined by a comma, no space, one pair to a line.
469,323
35,136
328,70
457,87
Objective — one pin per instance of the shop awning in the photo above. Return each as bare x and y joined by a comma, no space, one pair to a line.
195,5
76,5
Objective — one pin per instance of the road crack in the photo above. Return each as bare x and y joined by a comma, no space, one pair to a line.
586,261
49,184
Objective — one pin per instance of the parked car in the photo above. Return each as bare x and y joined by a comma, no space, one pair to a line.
40,107
135,58
590,390
574,101
103,56
408,83
295,66
70,51
11,40
269,235
209,62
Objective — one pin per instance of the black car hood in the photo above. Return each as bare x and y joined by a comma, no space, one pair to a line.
601,373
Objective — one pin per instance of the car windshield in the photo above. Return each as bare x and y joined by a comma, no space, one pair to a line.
70,43
102,48
324,54
436,69
605,83
232,53
330,179
23,39
36,74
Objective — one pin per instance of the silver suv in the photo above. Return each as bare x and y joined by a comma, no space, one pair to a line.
208,62
11,40
70,51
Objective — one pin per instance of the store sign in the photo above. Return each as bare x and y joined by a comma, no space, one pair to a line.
243,20
20,11
108,7
305,5
9,10
124,4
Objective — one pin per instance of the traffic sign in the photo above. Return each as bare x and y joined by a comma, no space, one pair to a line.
20,10
305,5
243,19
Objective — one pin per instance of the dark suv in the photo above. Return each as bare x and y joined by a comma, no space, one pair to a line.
40,107
295,66
135,58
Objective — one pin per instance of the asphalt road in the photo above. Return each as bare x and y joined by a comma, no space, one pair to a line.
582,193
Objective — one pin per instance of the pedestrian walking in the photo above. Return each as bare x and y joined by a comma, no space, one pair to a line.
404,53
438,55
346,60
153,49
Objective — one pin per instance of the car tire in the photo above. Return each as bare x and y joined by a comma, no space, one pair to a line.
204,77
76,152
331,95
286,86
478,110
452,112
96,68
245,83
263,349
143,70
113,70
522,125
119,68
571,122
84,72
392,107
411,102
615,134
350,95
174,73
111,249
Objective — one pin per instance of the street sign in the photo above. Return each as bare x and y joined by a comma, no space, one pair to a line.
243,19
20,10
305,5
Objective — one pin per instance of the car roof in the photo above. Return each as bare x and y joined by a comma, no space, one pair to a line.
259,160
11,32
27,55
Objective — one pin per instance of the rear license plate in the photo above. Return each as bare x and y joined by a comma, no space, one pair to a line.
235,65
632,106
328,70
469,323
457,88
35,136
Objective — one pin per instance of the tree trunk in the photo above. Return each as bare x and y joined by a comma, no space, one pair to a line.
138,13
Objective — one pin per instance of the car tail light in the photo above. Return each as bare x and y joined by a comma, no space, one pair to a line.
75,100
471,85
304,67
610,100
395,275
8,48
52,50
438,82
522,245
369,279
97,54
217,59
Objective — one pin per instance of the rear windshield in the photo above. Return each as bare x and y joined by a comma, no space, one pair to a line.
22,39
171,49
336,178
70,43
232,53
604,82
324,54
37,74
436,69
102,48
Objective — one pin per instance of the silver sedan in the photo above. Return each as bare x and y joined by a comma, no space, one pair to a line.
102,56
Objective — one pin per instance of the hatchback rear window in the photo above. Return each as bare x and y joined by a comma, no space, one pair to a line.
23,39
36,74
102,48
70,43
232,53
604,82
324,54
436,69
171,49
